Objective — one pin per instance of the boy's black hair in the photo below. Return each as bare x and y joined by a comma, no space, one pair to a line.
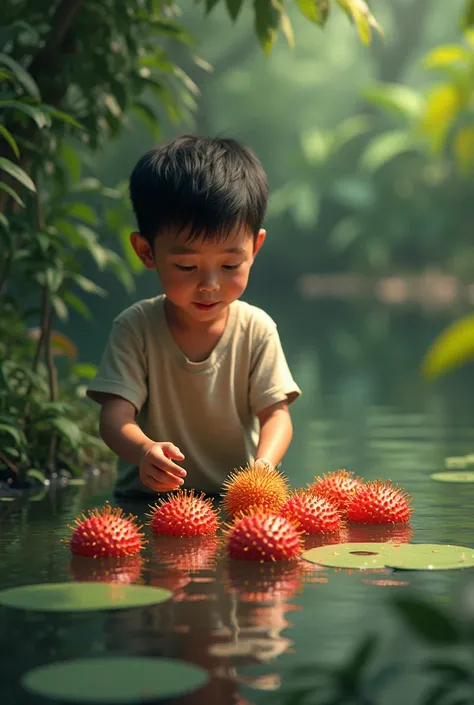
208,184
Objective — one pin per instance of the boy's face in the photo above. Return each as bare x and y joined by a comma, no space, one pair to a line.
201,278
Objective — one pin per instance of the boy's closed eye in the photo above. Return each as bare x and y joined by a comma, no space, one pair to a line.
191,268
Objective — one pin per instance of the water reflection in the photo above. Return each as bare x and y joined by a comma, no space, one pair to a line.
364,408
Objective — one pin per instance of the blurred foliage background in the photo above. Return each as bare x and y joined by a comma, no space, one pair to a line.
364,124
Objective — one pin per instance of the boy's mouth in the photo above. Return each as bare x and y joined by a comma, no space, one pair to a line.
207,306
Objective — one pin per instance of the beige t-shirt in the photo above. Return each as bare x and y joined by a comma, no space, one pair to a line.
208,409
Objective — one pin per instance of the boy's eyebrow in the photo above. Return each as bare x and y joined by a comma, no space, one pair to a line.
183,250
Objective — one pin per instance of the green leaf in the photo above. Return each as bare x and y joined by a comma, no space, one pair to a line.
9,138
21,75
12,193
37,114
71,159
68,429
82,211
266,24
90,240
53,279
17,173
450,349
85,370
36,474
315,10
210,4
89,286
77,304
15,433
446,56
386,147
443,104
427,621
63,117
121,271
395,98
148,117
60,308
467,20
234,7
359,660
463,148
359,12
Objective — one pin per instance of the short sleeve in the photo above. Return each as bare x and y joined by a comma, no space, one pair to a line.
270,379
123,368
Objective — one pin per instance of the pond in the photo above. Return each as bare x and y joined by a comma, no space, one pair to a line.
365,408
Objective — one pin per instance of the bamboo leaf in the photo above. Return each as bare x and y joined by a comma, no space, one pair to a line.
17,173
22,76
5,187
315,10
9,138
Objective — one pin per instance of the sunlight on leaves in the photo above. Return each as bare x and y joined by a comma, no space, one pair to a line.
442,106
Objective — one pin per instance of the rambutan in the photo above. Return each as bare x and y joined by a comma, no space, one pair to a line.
337,486
249,487
262,536
184,513
311,513
378,502
106,532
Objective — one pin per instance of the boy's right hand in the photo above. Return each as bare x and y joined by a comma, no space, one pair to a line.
157,469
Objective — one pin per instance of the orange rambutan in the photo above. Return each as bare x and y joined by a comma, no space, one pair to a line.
184,513
262,536
249,487
337,486
378,502
106,532
313,514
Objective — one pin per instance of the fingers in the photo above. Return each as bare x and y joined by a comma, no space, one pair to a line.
263,464
158,459
172,451
161,485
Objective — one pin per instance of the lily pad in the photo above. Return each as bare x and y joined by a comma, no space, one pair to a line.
431,556
81,597
452,476
114,679
365,556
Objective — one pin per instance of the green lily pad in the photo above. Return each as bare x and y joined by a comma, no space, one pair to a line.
431,556
114,679
452,476
365,556
81,597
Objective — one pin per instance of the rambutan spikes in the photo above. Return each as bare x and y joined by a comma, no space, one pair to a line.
262,536
337,486
249,487
379,502
106,532
184,513
311,513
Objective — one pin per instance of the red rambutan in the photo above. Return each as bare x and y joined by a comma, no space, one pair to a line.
311,513
262,536
378,502
249,487
184,513
337,486
106,532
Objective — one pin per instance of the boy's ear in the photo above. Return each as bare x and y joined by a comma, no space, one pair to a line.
259,240
142,249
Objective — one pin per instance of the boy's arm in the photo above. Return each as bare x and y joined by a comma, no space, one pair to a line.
122,434
276,432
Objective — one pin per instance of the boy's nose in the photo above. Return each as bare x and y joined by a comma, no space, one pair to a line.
209,283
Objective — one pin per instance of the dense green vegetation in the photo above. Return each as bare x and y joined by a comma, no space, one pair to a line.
365,187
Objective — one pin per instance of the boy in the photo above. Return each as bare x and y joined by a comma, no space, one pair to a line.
195,375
